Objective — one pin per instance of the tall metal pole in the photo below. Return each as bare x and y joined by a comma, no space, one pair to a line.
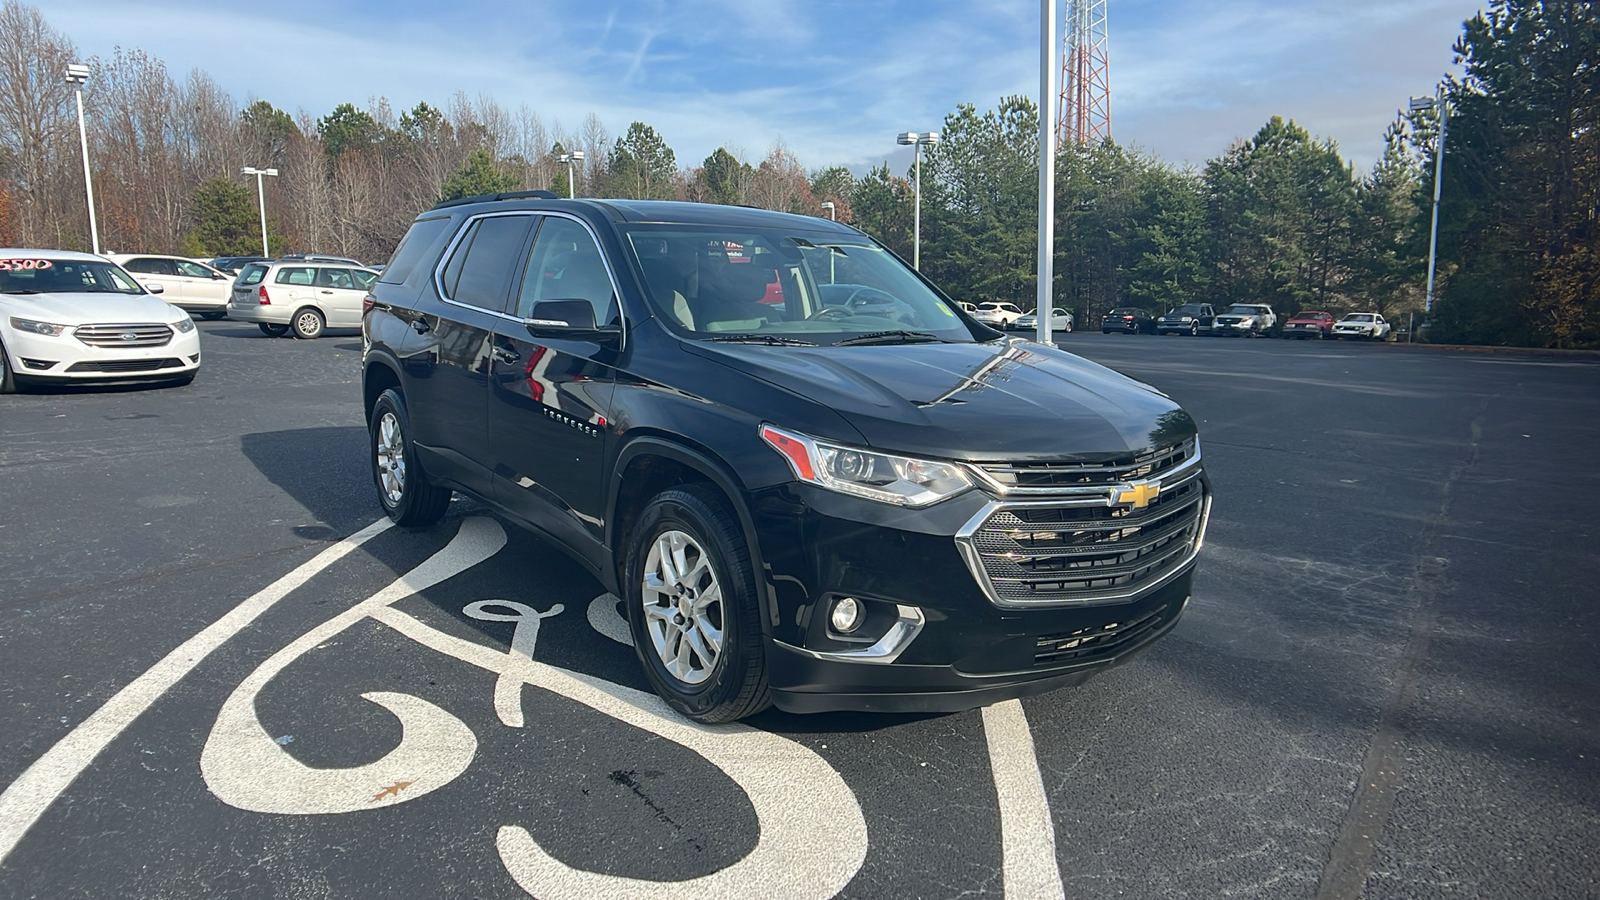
569,178
261,199
916,240
1047,168
1438,177
88,180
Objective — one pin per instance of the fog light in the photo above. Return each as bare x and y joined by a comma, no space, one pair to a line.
846,616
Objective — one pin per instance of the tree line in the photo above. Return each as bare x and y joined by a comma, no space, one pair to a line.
1279,217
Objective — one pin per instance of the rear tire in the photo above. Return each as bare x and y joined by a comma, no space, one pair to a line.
273,330
308,324
403,487
212,316
692,606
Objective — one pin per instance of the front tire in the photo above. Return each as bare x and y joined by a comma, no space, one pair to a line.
403,487
8,383
691,598
308,324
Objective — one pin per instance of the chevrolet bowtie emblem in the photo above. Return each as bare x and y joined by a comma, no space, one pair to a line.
1137,495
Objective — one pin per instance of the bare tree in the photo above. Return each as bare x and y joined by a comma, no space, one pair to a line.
38,146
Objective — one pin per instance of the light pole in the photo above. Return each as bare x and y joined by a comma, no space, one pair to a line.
1044,308
261,199
1419,104
77,75
828,205
918,140
569,159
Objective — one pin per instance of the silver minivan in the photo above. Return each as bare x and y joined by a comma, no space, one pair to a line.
306,297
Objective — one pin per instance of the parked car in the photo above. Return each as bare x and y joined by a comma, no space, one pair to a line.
234,264
284,295
998,315
1060,320
1128,320
797,506
1362,325
186,283
1309,323
1190,319
74,318
1248,319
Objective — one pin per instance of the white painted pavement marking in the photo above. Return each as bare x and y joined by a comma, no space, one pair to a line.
27,798
245,768
1027,834
508,688
806,850
604,618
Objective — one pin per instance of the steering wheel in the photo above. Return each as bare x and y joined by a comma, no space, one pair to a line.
838,312
870,292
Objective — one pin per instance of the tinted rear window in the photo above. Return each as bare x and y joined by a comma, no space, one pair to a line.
252,274
417,242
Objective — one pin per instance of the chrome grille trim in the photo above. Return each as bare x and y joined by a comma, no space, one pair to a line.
1086,478
1091,551
148,334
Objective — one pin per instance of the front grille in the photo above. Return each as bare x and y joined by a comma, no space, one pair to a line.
1086,551
1052,477
1102,641
127,365
148,335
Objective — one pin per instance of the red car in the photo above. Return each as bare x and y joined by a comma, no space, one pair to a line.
1309,323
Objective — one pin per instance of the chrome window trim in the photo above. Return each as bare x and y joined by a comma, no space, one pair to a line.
444,260
1105,492
885,650
970,555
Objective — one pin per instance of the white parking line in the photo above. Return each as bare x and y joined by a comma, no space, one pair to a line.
27,798
1027,835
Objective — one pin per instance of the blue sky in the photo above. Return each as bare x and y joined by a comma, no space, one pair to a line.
832,81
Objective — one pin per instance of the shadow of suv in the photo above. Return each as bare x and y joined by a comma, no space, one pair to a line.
810,503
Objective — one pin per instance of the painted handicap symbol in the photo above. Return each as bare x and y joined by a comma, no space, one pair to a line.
812,834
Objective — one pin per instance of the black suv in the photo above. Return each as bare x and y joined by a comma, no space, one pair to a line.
814,481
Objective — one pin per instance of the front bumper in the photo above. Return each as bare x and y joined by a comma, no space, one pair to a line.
935,641
63,359
1233,328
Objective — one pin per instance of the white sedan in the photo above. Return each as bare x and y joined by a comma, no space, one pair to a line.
1362,325
70,318
1060,321
997,315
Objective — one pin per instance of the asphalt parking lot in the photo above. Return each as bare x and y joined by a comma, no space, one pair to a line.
1385,685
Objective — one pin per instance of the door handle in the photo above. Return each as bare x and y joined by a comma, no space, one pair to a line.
327,292
421,326
506,356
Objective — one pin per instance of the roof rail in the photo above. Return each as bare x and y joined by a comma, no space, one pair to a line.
503,195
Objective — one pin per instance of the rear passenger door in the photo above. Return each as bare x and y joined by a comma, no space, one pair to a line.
447,357
549,396
339,296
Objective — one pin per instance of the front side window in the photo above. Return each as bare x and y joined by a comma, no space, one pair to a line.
566,265
768,286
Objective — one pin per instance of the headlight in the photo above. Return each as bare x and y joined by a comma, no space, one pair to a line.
184,325
44,328
901,480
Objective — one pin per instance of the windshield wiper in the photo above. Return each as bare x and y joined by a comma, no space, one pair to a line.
890,337
772,339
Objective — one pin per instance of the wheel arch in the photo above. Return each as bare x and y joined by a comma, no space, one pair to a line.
651,464
379,375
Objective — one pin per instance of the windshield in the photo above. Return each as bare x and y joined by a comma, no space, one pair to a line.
1243,310
1188,309
49,275
1358,317
726,284
1310,315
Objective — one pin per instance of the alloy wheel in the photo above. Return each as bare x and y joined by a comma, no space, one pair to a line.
391,458
683,607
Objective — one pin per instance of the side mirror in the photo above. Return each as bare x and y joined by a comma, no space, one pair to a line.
567,319
155,287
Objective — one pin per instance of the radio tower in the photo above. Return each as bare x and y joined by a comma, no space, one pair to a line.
1085,107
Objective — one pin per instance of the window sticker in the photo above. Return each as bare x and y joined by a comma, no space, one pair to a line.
23,265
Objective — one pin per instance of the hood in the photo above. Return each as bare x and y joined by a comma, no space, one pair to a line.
89,309
1008,400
